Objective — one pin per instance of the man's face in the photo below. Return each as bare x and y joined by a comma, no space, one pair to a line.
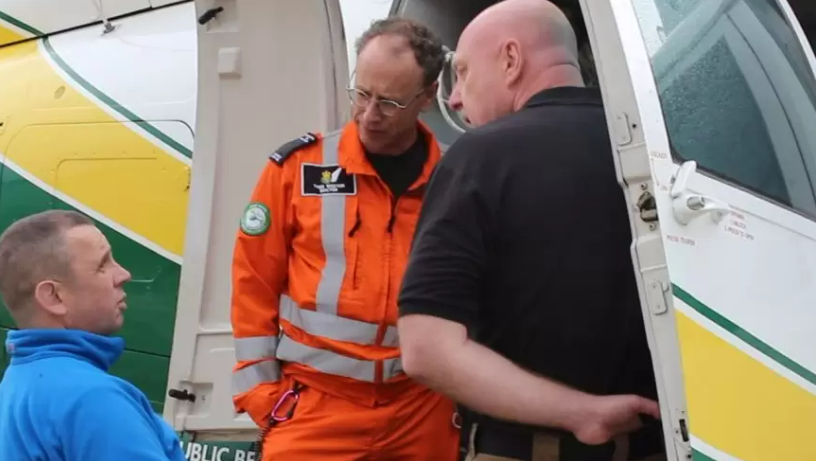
480,92
387,73
92,295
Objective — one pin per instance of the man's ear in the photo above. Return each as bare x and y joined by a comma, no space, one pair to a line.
512,60
47,297
430,95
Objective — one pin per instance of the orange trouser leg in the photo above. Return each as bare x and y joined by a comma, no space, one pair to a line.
328,428
419,427
323,428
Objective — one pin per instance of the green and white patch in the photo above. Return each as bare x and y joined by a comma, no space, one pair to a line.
256,219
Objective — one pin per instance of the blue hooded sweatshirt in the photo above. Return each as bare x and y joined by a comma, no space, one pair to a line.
58,403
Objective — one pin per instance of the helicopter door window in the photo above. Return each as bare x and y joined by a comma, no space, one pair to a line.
739,99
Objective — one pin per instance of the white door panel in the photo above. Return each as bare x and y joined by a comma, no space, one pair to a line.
703,252
42,17
729,302
268,71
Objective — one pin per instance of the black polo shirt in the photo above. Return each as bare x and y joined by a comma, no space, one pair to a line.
524,238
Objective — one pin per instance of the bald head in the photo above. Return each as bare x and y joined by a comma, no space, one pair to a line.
508,53
538,26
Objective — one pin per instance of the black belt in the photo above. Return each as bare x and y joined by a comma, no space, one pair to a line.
504,442
494,441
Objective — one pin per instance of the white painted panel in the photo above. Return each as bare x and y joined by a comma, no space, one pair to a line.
147,65
290,78
757,268
49,16
158,3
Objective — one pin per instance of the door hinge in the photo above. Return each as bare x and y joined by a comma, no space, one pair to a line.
656,295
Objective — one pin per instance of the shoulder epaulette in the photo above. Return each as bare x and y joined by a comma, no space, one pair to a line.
285,150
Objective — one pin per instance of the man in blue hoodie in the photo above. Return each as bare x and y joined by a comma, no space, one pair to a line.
62,286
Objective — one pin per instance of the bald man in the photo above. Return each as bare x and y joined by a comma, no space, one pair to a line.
524,241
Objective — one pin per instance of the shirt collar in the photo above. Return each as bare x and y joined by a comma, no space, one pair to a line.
33,344
566,95
353,159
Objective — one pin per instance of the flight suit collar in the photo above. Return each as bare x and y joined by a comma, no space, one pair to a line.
353,159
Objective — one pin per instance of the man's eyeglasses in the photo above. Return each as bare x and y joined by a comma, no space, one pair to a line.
388,108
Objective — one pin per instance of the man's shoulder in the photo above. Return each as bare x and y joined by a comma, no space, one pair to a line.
57,371
57,385
107,391
287,150
470,146
541,122
82,381
295,150
488,143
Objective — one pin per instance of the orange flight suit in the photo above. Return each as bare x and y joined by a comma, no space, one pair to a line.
317,267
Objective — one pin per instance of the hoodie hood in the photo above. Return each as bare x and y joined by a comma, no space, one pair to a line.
29,345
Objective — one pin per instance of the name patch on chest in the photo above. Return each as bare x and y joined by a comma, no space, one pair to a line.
327,180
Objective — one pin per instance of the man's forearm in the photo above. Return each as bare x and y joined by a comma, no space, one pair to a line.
489,383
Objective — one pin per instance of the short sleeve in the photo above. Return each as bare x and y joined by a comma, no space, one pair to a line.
450,247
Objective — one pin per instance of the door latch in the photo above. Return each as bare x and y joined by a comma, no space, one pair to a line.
181,394
687,206
647,207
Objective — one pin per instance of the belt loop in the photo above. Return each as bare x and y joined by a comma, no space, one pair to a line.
471,444
545,447
621,448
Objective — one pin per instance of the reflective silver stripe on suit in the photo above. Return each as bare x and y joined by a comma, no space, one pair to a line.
255,348
333,363
334,327
391,337
263,372
392,368
333,235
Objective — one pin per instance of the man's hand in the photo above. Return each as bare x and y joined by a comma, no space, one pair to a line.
438,354
609,416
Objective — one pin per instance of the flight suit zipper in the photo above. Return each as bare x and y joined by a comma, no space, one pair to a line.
393,205
382,331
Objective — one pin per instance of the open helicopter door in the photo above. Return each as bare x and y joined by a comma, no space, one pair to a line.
711,109
268,71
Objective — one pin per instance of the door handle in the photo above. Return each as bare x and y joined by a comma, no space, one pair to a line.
687,206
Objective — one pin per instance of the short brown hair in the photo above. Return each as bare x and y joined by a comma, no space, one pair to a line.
32,250
426,46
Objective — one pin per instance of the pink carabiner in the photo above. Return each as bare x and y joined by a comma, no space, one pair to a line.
279,404
456,420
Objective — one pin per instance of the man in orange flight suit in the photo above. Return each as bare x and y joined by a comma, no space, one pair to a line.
317,267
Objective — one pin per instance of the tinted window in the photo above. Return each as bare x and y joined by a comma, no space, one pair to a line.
737,93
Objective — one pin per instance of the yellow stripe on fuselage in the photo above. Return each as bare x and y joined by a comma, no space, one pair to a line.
740,406
63,138
8,36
